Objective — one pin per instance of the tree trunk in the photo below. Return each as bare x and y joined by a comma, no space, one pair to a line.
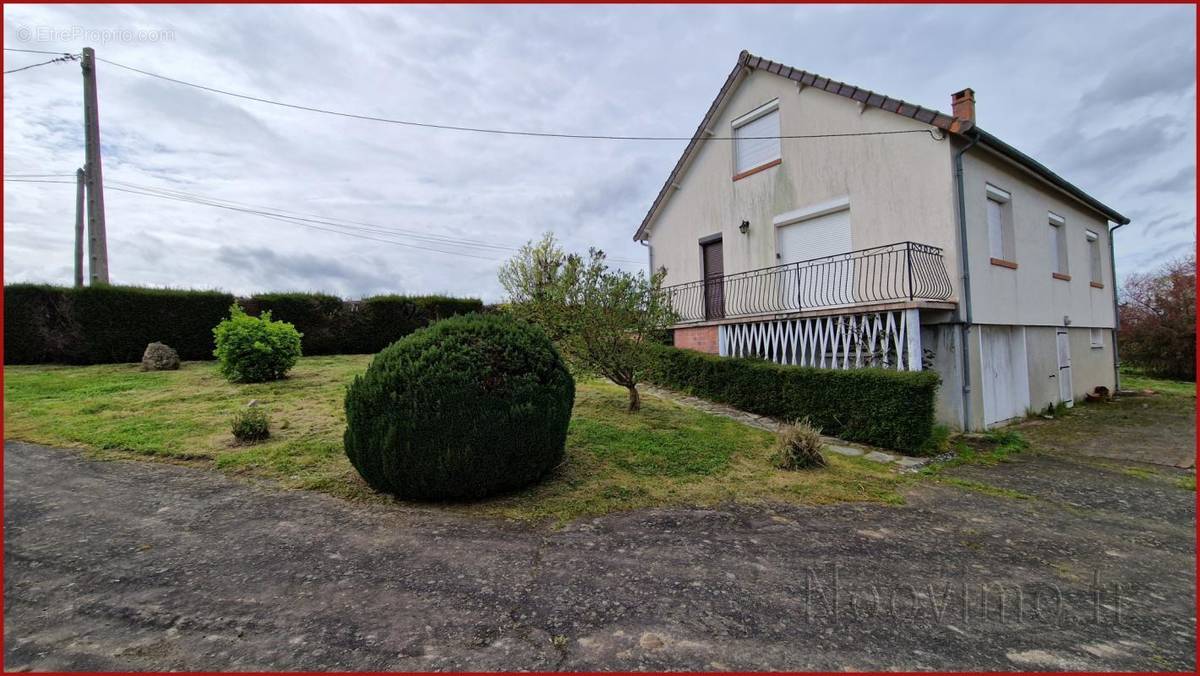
635,400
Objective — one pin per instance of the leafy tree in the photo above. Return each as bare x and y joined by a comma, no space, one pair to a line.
1158,319
601,318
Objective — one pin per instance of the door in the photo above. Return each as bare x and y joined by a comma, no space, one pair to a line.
1005,374
1065,393
713,257
817,283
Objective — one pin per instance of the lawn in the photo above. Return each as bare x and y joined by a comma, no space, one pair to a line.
664,455
1156,429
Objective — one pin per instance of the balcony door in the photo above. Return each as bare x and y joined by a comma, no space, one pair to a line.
816,283
713,257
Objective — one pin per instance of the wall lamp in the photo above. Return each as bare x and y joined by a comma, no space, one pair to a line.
744,227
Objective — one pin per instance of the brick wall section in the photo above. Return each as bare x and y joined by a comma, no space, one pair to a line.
699,338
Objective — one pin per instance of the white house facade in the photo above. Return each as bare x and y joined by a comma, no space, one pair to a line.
815,223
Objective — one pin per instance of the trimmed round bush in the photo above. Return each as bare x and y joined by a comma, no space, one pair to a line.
469,407
255,349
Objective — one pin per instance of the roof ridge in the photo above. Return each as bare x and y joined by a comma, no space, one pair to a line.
865,97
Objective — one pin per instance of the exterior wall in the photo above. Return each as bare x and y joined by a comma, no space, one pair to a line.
698,338
941,341
899,186
1029,295
1041,348
1090,366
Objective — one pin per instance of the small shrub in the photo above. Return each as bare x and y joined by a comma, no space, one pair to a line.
255,349
799,447
469,407
251,424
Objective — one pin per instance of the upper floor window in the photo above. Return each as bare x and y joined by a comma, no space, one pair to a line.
1093,241
999,226
1058,246
756,142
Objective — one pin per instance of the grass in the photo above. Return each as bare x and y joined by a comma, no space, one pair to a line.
1158,428
665,455
990,448
1136,379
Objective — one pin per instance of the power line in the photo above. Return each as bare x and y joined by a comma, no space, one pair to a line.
307,221
38,175
314,224
503,132
66,57
344,222
37,51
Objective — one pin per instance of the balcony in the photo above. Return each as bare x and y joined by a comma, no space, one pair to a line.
906,271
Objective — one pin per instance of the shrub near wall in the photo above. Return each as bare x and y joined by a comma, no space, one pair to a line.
893,409
107,324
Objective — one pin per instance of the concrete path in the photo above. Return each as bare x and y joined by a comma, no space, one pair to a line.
139,565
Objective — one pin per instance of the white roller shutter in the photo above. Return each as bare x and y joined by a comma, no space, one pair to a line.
751,152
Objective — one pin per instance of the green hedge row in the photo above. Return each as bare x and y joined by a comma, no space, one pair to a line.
893,409
111,324
107,324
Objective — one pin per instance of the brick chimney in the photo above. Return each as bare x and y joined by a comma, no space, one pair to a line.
963,105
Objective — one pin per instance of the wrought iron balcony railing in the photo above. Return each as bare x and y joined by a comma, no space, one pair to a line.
896,272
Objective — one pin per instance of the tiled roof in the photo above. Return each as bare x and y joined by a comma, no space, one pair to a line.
747,61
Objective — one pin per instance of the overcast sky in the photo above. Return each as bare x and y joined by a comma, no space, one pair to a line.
1103,95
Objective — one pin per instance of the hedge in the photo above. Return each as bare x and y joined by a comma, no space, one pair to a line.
107,324
882,407
110,324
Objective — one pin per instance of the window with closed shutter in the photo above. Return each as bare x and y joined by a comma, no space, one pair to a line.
995,218
1058,243
756,142
1093,241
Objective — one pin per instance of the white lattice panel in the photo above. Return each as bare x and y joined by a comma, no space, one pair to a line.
881,339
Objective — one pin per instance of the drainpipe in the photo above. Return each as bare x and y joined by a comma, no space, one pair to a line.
1112,259
966,281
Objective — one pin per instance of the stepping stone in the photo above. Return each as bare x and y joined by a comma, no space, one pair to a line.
844,450
876,456
908,462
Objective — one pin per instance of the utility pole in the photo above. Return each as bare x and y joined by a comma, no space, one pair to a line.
94,175
79,181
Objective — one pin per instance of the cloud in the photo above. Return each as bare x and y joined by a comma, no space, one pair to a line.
1182,181
1125,146
308,272
1116,121
1172,72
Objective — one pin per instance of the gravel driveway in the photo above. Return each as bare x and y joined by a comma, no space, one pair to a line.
136,565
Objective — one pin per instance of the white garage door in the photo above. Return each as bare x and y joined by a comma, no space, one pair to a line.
818,284
1005,373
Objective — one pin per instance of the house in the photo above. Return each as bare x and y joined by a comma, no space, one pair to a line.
813,222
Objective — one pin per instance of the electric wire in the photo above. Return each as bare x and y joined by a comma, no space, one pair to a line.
37,51
281,215
503,132
61,59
